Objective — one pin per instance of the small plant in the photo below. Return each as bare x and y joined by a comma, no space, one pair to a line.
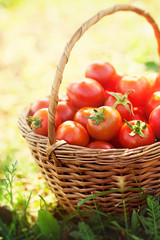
84,232
14,219
8,184
150,220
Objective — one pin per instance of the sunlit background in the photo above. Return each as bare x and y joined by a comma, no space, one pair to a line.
33,35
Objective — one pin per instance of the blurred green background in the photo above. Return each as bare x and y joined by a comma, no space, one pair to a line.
32,38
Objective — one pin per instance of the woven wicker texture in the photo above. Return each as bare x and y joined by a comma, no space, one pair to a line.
74,173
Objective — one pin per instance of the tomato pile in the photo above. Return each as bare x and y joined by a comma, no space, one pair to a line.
104,110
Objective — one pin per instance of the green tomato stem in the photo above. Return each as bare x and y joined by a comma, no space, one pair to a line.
138,128
36,122
123,100
98,117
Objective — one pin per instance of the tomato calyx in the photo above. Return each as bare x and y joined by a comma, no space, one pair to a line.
36,122
123,100
98,117
138,128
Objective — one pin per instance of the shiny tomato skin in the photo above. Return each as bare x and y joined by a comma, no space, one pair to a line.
99,145
139,114
86,92
152,103
154,121
110,101
39,104
73,133
58,119
66,110
81,114
103,72
43,115
142,89
128,141
108,128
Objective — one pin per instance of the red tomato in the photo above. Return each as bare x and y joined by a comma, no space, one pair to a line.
154,121
58,119
130,138
103,72
121,103
80,115
104,123
66,110
115,141
142,89
86,92
39,104
152,103
73,133
39,122
106,94
100,145
156,86
139,114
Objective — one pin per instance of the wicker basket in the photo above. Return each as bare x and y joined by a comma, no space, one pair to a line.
74,173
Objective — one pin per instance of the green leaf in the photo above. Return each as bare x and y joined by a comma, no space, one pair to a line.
86,232
4,232
48,225
119,227
134,221
76,235
152,66
151,222
153,216
103,193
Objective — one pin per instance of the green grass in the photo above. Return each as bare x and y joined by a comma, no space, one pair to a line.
32,38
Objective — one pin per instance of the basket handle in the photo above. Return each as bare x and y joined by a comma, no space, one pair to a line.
67,50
